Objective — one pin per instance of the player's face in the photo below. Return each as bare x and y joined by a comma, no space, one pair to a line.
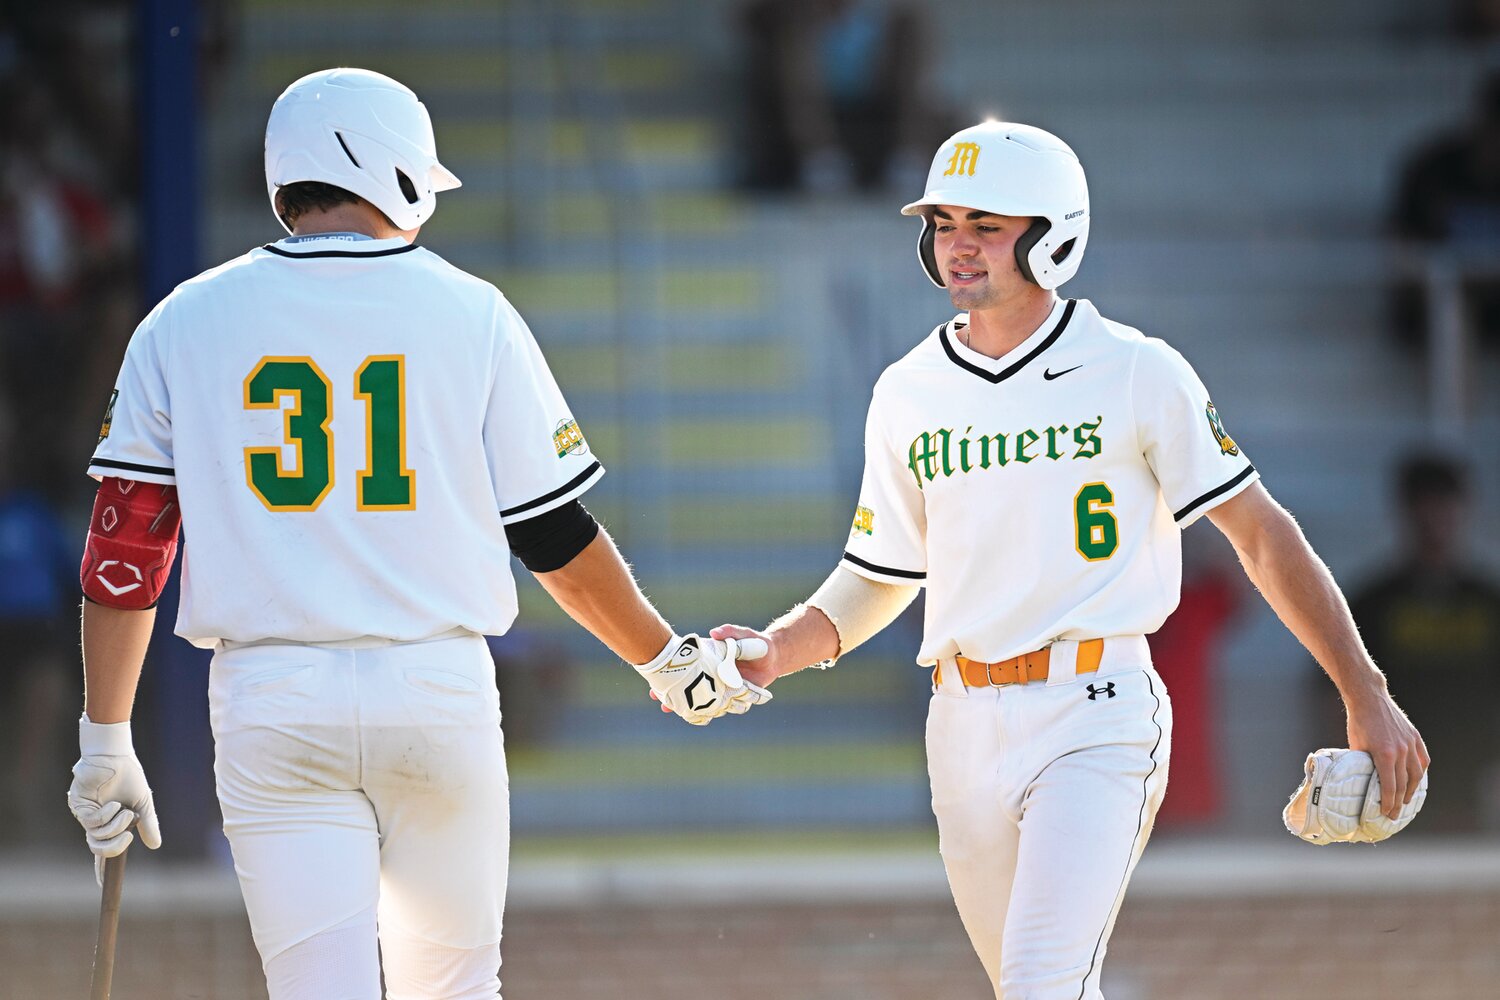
976,253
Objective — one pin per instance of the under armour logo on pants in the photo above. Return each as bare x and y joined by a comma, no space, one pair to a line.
1107,690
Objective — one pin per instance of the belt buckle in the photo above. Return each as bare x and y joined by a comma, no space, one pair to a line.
989,672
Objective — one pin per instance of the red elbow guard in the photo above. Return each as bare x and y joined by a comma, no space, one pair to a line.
132,542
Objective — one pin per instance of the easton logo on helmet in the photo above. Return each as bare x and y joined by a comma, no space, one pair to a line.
965,159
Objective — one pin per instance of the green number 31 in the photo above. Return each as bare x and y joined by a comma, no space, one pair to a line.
1096,529
385,483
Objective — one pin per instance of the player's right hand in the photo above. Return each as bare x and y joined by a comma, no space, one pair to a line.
109,794
758,670
698,678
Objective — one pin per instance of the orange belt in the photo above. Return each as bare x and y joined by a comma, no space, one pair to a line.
1022,669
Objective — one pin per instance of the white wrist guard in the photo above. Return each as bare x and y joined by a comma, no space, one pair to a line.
104,739
859,607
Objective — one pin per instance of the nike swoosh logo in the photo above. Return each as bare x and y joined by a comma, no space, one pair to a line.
1050,375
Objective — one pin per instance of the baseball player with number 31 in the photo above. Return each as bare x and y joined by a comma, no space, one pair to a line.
1031,463
357,436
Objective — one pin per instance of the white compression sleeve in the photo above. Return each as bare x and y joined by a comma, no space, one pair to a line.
859,607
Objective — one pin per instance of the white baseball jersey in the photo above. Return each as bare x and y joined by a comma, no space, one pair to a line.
349,423
1038,496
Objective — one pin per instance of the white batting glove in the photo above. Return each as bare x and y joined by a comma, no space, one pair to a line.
109,792
697,679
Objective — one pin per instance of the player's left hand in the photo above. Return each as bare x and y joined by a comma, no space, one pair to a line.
109,795
1377,726
697,678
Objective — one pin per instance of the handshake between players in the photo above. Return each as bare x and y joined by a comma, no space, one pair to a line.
700,680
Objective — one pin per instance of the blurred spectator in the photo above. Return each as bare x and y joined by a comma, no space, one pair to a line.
64,218
78,52
38,609
837,96
1432,623
1477,20
68,155
1449,196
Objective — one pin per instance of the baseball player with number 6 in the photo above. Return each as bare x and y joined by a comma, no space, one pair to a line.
1031,463
357,436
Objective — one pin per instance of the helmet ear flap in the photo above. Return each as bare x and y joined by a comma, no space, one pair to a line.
926,252
1024,244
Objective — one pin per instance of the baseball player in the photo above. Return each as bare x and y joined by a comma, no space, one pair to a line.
1031,464
357,436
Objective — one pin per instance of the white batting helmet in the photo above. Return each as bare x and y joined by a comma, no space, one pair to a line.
362,132
1019,170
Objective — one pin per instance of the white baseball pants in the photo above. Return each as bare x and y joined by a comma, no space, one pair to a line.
365,785
1044,798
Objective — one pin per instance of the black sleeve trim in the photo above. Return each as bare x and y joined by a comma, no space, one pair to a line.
550,541
1216,491
904,574
571,484
131,467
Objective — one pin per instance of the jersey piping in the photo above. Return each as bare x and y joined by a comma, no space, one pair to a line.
998,377
904,574
1216,491
282,252
572,484
1139,822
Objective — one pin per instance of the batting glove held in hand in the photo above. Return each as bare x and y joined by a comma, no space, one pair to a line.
109,792
697,678
1338,801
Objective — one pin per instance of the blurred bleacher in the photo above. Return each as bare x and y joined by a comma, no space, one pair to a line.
719,351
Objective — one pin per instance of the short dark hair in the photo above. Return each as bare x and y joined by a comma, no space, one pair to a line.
1423,477
297,199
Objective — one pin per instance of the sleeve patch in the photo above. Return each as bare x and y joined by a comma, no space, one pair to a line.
567,439
864,520
1216,424
109,416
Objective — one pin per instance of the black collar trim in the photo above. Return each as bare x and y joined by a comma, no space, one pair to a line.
997,377
340,253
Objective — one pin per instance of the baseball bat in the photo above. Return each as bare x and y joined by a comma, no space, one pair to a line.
109,925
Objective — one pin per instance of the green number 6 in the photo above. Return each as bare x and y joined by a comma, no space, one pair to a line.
1096,529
